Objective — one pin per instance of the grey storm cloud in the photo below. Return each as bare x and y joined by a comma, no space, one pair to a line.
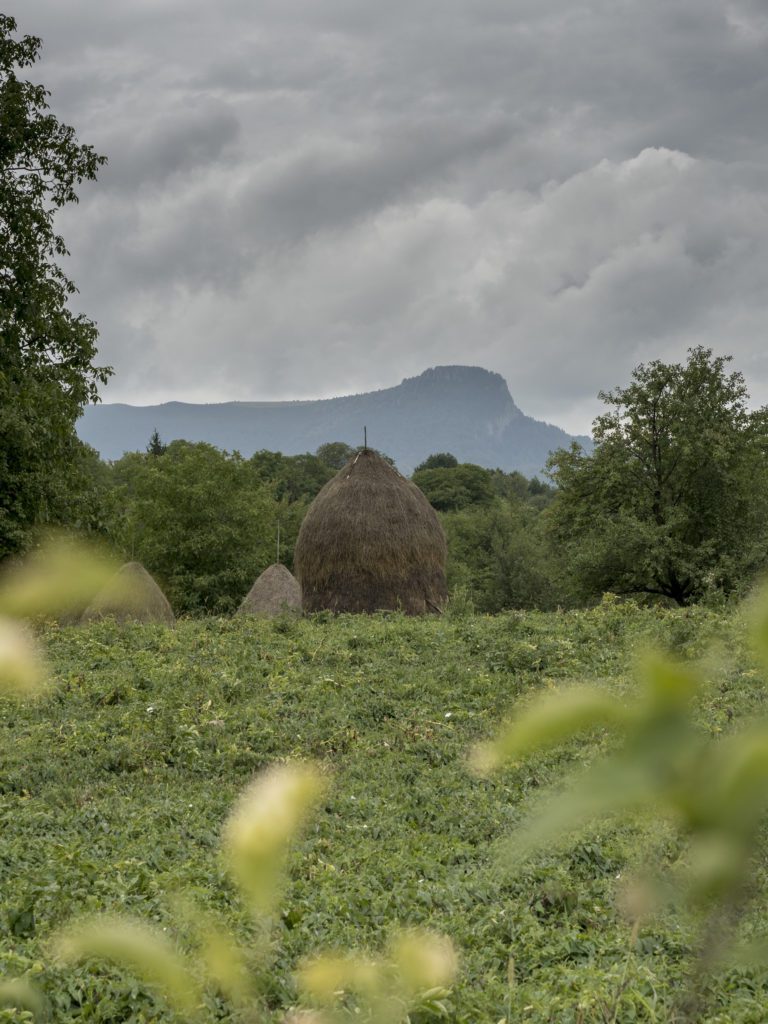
173,143
311,197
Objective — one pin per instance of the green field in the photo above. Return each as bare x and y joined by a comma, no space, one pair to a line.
114,787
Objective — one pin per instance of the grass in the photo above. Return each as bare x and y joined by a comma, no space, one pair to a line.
113,790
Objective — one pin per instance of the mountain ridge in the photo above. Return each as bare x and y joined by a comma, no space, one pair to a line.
466,410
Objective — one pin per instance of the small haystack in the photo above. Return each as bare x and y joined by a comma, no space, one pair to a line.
274,593
130,596
371,541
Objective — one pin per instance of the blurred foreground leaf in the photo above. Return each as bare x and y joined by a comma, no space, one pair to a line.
224,961
261,826
140,948
22,670
416,974
59,578
549,721
19,994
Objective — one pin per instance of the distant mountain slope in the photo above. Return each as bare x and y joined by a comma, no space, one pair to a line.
461,409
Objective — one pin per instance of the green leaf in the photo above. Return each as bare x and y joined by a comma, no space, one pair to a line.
552,720
141,949
670,686
19,993
615,785
738,794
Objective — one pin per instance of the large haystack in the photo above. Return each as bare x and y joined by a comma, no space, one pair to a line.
274,593
130,596
371,541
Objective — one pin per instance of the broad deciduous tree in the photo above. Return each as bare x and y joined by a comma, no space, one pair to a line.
449,489
47,371
335,454
199,518
674,499
440,460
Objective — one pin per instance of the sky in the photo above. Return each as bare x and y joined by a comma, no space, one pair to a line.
309,198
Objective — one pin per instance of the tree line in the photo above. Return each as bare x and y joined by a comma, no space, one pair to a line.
672,505
205,521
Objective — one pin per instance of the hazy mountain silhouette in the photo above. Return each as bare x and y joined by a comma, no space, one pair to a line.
460,409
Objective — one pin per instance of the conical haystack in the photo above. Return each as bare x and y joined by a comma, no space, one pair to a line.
371,541
274,593
130,596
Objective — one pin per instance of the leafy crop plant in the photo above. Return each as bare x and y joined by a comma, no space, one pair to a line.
712,790
415,972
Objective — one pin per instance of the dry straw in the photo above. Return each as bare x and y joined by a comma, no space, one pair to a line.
275,592
130,596
371,541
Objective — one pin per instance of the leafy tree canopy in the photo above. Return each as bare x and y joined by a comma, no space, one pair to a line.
440,460
47,371
497,557
198,518
673,500
449,489
335,454
294,477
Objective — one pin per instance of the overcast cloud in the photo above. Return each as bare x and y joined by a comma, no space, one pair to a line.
307,198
